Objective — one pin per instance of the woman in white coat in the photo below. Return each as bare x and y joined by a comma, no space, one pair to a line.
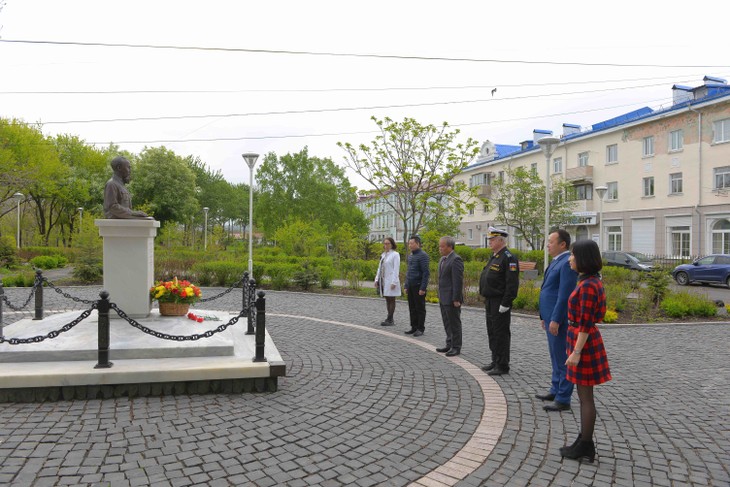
387,280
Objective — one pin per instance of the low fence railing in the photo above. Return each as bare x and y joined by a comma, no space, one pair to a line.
253,308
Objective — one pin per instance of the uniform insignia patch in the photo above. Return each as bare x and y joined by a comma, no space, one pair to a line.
512,266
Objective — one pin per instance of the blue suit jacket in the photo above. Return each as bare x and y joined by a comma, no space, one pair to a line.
558,283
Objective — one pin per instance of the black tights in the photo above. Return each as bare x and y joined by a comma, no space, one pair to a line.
587,412
390,305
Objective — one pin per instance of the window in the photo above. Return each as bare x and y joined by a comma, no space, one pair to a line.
485,208
676,140
680,241
722,177
479,179
648,145
612,193
583,159
614,237
675,183
471,234
557,165
583,192
501,176
648,186
533,168
721,237
611,154
471,211
721,131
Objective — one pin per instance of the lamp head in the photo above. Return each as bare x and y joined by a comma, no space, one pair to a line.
601,190
548,145
205,209
250,158
18,196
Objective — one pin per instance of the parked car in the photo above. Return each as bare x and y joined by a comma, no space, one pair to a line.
629,260
713,268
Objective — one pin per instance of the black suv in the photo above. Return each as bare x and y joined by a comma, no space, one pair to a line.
629,260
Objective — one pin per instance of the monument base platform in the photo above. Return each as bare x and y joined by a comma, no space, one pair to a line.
142,365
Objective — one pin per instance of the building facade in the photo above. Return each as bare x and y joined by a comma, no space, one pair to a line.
666,175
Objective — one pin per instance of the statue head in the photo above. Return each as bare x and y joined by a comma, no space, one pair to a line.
122,168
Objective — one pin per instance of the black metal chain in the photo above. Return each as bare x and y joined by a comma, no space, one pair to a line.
52,334
177,338
223,293
67,295
30,296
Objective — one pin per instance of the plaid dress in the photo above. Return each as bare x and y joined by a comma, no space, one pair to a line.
586,307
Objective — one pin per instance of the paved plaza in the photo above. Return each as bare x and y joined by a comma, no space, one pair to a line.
367,405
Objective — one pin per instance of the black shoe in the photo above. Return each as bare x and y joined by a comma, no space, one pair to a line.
418,333
556,406
487,368
584,450
410,332
498,371
387,323
453,352
545,397
565,450
443,349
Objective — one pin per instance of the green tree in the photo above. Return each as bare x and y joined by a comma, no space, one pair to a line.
307,188
520,200
411,167
301,238
165,185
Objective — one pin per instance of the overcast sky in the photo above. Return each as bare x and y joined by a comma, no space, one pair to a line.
551,62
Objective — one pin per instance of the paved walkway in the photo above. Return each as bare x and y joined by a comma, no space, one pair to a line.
366,405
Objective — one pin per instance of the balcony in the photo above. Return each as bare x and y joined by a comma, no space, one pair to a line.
580,206
583,173
484,190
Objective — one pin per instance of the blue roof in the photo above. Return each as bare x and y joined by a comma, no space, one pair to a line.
626,117
505,150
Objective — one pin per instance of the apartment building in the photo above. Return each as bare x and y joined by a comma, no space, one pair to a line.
666,174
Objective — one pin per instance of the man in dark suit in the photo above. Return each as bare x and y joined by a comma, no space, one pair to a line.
557,284
451,295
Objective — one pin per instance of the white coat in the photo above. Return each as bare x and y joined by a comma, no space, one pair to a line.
389,270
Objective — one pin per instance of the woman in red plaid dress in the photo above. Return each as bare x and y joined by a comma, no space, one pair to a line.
587,361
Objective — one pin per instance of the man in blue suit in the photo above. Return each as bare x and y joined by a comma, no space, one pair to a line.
558,282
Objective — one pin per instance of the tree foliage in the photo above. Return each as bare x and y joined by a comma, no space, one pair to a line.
299,186
520,200
301,238
163,183
412,168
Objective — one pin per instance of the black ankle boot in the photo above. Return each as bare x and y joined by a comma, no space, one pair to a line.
584,450
565,450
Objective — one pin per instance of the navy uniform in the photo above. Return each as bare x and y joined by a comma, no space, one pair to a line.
498,284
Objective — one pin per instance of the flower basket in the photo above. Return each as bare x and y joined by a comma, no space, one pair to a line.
174,309
175,297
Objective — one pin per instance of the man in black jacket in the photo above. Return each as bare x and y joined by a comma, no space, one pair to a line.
498,284
416,283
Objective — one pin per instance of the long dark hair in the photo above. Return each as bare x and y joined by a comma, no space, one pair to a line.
587,256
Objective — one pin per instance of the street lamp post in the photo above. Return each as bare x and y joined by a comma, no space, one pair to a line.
548,144
81,217
18,197
205,231
601,190
250,159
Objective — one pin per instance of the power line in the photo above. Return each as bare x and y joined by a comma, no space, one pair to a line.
338,109
686,79
344,54
330,134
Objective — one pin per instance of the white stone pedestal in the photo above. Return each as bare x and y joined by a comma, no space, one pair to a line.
129,263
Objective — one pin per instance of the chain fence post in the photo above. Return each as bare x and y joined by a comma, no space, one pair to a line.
2,295
248,302
260,327
38,284
103,331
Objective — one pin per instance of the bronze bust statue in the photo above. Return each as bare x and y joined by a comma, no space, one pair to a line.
117,200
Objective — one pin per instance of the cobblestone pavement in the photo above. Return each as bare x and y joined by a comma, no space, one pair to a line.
363,408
